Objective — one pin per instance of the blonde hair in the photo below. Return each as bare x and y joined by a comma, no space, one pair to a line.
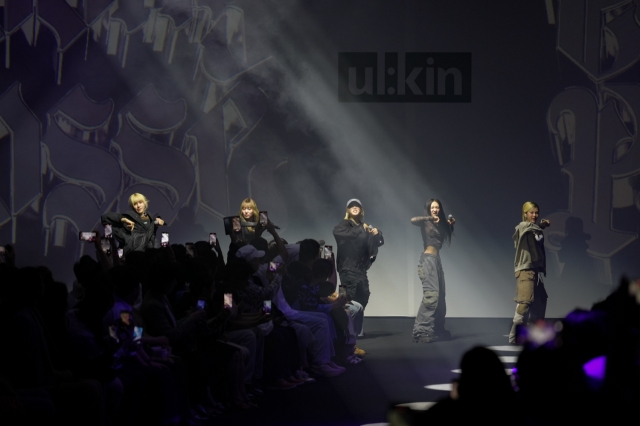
135,197
526,207
256,213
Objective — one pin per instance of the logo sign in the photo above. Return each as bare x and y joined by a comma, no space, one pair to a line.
404,77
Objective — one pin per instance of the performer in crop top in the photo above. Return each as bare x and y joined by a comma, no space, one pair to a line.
435,230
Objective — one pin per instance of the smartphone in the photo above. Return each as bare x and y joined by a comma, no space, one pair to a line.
267,306
228,300
264,218
273,266
137,333
108,231
106,247
342,290
113,334
120,253
164,239
3,254
87,236
228,228
200,305
328,250
191,251
235,224
213,238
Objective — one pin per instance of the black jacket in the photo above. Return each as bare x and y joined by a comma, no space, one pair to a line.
141,238
357,248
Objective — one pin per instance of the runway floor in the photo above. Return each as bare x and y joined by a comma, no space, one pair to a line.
395,371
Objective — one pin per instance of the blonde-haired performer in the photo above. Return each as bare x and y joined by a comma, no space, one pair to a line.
357,245
135,230
530,264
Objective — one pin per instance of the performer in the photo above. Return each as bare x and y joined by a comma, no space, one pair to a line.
357,245
435,230
136,229
530,264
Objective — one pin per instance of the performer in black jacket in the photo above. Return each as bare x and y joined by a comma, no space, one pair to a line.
357,245
136,229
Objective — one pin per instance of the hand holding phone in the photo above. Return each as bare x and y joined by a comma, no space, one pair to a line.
273,266
108,231
327,252
264,218
87,236
228,301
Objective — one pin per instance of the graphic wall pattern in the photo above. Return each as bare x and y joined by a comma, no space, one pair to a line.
595,136
86,156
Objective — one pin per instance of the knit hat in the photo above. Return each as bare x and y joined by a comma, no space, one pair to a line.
352,202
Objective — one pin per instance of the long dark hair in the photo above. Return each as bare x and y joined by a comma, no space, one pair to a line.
443,226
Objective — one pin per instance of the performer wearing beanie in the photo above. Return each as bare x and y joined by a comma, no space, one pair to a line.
357,245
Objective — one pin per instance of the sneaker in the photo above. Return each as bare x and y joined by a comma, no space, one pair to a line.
336,366
359,352
443,335
281,384
353,360
424,339
302,375
326,370
295,380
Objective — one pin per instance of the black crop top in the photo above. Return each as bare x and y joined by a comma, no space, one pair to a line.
431,234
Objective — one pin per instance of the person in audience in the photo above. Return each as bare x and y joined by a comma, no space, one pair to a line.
530,265
135,229
436,229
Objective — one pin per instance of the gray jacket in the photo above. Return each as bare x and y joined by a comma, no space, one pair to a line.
530,252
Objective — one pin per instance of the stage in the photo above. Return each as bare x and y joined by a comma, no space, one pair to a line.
395,371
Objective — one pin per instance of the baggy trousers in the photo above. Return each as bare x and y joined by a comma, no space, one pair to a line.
433,308
531,298
357,285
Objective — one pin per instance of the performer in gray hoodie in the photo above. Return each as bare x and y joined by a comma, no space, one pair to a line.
530,264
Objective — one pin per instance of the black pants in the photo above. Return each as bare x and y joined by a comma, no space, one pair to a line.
357,286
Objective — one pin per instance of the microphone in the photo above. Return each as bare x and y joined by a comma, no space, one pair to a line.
450,217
